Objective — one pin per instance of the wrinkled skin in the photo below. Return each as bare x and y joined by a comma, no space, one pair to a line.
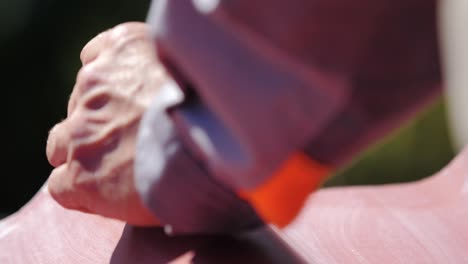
93,149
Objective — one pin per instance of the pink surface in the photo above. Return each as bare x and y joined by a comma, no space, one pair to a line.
421,222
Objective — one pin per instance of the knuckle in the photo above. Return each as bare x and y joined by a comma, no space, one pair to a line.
120,30
128,31
93,47
88,77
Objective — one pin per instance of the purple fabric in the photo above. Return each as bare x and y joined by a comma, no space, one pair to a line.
269,109
385,52
262,79
329,77
173,185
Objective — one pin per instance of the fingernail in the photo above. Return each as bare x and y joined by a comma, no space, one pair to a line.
53,154
50,147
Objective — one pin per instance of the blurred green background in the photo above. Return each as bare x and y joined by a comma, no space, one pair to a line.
416,150
40,42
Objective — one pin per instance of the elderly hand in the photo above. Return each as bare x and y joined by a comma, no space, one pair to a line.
93,149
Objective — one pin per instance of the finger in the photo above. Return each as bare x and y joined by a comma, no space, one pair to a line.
57,144
62,135
89,76
62,187
92,49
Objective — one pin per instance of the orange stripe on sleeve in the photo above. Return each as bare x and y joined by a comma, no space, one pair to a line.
280,199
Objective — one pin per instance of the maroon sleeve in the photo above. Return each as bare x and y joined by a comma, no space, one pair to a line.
263,79
384,52
325,76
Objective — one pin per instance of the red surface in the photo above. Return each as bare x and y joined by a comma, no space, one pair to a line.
421,222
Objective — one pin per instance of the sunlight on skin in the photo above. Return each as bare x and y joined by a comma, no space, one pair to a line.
454,51
422,221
